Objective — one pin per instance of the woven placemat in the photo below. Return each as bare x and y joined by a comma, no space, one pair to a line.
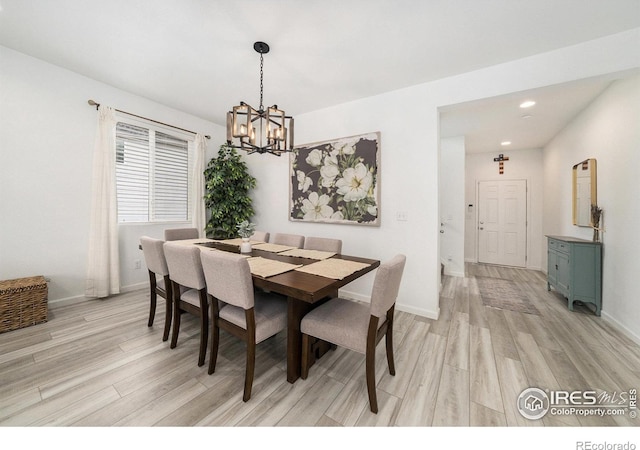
274,248
333,268
265,268
310,254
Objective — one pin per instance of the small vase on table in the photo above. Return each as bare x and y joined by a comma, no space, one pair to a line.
245,247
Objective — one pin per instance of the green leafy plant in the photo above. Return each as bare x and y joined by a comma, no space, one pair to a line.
227,184
246,229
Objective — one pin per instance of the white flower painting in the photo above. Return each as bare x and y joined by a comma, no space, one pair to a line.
337,181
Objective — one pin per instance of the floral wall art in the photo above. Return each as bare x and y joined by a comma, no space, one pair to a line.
337,181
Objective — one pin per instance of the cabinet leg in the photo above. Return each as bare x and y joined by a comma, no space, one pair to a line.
548,286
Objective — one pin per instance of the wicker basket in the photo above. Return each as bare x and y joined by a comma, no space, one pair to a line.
23,302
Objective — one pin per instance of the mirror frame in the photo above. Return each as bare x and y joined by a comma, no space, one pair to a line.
592,165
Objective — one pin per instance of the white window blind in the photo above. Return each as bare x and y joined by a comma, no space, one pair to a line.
152,175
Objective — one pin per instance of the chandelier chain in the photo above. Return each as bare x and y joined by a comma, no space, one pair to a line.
261,85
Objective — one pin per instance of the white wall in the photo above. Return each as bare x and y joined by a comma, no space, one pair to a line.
522,165
609,131
45,198
408,122
47,132
451,201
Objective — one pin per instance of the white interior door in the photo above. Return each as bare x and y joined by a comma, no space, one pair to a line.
502,222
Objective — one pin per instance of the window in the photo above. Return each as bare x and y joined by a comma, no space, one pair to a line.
152,174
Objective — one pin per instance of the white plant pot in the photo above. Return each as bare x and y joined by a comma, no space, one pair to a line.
245,247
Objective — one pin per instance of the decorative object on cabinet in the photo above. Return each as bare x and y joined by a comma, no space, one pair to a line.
596,214
584,192
575,270
336,181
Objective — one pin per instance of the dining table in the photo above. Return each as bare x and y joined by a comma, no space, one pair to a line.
307,279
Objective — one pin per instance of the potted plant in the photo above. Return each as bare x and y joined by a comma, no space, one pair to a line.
227,187
245,230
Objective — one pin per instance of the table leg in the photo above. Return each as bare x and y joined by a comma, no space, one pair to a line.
296,311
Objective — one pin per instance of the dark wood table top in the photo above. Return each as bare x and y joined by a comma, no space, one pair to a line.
295,284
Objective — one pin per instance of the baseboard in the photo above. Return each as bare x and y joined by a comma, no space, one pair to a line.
429,314
81,298
354,296
620,327
134,287
67,300
453,273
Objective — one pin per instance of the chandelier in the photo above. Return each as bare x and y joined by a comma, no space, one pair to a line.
260,130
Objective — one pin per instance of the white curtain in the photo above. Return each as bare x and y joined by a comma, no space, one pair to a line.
103,268
197,185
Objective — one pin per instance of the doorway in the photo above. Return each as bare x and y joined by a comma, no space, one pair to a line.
502,222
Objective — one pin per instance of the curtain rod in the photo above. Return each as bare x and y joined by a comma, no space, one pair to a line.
97,105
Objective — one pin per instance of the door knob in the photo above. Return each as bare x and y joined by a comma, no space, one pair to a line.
441,231
481,228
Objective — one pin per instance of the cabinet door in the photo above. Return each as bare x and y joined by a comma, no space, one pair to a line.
563,273
552,271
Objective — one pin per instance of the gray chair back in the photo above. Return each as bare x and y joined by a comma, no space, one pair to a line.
176,234
228,278
153,251
386,285
323,244
185,267
293,240
262,236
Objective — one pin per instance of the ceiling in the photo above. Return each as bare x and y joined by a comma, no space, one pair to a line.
489,122
197,55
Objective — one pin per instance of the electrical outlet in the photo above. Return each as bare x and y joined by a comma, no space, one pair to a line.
402,216
137,264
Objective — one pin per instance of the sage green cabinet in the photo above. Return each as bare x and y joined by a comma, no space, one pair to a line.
575,270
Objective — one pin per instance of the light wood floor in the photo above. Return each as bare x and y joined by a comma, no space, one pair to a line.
97,364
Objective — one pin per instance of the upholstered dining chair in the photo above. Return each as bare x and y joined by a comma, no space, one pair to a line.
188,289
324,244
157,266
294,240
358,326
262,236
249,315
176,234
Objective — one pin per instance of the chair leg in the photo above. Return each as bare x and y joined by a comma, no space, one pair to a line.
389,345
306,351
250,370
152,303
176,318
167,319
204,335
168,295
215,337
371,378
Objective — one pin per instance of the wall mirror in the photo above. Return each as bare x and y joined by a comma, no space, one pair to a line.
584,192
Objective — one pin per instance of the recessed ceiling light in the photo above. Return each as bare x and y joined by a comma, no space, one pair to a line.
505,143
527,104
